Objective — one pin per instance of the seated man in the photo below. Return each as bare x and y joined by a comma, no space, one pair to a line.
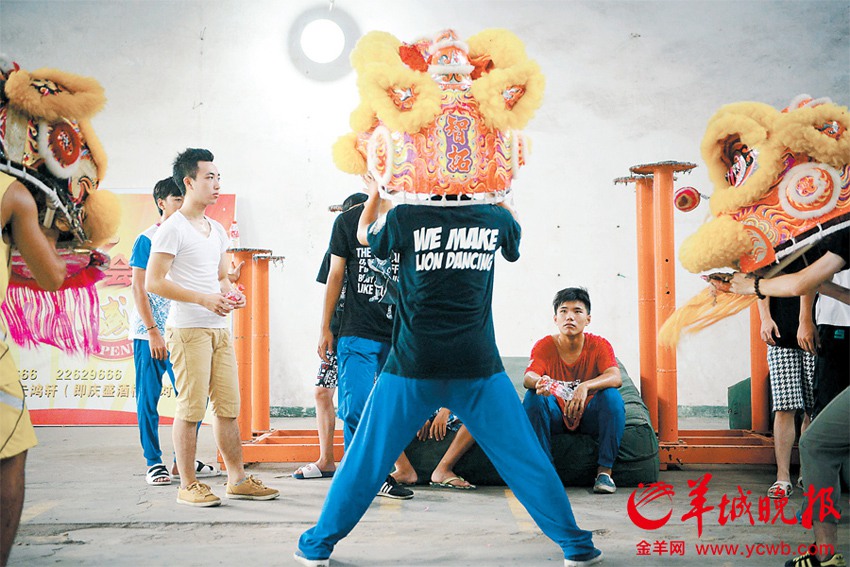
438,425
596,407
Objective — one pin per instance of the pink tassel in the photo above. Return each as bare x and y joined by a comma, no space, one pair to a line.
68,319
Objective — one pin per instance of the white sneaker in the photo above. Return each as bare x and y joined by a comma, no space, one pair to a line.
591,558
299,557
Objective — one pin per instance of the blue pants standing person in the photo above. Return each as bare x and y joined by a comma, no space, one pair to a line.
444,355
149,374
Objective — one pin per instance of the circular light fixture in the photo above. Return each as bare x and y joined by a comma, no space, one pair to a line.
320,41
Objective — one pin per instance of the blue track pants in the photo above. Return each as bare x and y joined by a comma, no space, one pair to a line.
359,361
149,373
491,410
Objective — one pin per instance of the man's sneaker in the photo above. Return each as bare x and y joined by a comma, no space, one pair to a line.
809,560
300,558
251,488
589,558
391,489
197,494
604,485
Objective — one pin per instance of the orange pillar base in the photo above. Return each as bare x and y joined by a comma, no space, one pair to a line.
722,446
286,446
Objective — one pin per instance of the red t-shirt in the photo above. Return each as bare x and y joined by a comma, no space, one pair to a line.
596,357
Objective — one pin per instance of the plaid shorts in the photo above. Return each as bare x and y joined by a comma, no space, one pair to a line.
326,377
792,374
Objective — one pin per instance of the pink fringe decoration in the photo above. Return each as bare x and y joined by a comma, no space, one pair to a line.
68,319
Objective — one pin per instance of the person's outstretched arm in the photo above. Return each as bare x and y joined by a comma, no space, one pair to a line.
789,285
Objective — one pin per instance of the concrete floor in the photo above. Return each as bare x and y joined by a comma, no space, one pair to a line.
87,503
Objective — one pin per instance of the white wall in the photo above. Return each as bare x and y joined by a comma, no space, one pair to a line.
627,83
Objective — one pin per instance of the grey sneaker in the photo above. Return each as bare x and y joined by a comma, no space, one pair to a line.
392,489
197,494
251,488
604,484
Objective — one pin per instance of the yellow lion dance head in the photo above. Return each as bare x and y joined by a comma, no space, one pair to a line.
781,183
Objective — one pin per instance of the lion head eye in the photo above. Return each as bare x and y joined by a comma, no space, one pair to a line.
741,161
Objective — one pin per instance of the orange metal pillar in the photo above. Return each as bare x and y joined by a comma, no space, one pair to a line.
758,374
242,339
646,292
260,344
665,291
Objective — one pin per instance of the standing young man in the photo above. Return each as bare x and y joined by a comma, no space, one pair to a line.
150,355
326,378
444,355
189,265
596,407
365,331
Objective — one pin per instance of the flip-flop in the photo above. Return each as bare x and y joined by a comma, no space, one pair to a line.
157,475
202,470
311,471
448,484
780,489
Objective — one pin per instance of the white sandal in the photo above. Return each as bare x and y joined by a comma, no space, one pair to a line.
202,470
157,475
780,489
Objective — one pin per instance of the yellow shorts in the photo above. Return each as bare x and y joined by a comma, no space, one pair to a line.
204,367
16,431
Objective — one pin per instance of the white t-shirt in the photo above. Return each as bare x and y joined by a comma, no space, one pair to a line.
831,311
195,267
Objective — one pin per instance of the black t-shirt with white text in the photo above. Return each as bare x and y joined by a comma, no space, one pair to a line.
444,321
369,283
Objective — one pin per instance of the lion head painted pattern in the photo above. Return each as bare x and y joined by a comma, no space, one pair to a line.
441,117
781,179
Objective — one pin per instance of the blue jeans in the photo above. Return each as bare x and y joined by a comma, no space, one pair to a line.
604,419
359,361
149,373
489,408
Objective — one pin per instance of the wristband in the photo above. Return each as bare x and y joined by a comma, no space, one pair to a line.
150,328
756,288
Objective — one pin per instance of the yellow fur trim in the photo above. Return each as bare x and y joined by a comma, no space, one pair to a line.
719,242
487,90
95,147
82,97
798,130
346,156
752,122
378,78
375,47
101,217
701,311
363,118
504,48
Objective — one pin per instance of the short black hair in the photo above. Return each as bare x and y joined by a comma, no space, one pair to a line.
353,200
572,294
186,164
164,189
